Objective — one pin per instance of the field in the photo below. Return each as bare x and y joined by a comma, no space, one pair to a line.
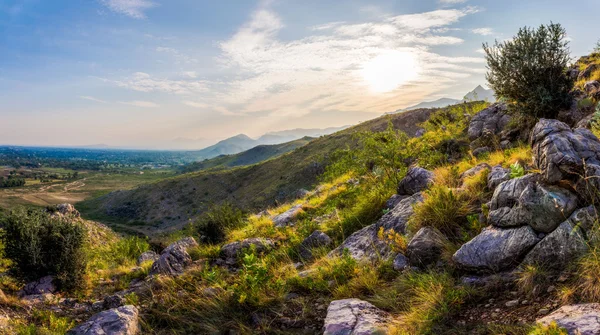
88,184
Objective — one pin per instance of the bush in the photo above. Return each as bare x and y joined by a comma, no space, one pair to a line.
41,245
215,223
529,70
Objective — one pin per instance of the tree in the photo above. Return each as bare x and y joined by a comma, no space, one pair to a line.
529,71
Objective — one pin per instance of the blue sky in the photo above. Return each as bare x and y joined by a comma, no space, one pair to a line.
185,73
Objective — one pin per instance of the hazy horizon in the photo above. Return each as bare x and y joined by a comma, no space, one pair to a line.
150,73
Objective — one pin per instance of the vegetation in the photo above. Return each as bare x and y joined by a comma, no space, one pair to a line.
217,221
529,71
39,245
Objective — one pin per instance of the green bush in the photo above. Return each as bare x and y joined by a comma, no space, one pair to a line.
41,245
215,223
529,70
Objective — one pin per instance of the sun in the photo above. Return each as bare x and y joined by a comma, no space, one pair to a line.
390,70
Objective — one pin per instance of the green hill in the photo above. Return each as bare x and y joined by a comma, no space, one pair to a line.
171,203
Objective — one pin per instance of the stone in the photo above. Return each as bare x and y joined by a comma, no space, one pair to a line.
285,219
560,248
147,256
41,286
490,120
497,176
317,239
496,249
416,180
354,317
481,151
512,303
393,201
587,72
113,301
582,319
365,243
400,263
68,210
584,218
492,280
233,250
426,247
174,258
116,321
475,170
420,132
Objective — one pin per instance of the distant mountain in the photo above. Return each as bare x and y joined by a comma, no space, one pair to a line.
479,93
229,146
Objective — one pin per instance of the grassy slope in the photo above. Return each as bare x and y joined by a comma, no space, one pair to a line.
173,202
252,156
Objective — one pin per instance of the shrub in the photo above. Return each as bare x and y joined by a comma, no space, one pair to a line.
41,245
529,70
218,220
551,329
516,170
588,279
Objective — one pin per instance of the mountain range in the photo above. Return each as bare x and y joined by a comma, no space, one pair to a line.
479,93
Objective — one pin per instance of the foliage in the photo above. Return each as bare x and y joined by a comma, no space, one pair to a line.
128,248
516,170
551,329
219,219
588,281
529,70
532,279
40,245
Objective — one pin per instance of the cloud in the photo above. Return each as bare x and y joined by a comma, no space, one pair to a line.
189,74
144,82
195,104
85,97
483,31
138,103
180,57
131,8
452,2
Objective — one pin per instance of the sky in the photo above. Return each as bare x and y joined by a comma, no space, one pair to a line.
170,74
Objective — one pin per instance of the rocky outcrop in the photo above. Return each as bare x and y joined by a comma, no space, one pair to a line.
582,319
230,252
117,321
393,201
587,72
68,210
365,243
354,317
174,258
496,249
147,256
426,247
497,176
41,286
559,248
486,127
591,87
286,218
416,180
317,239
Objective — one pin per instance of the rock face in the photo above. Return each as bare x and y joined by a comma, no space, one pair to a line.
496,249
587,72
316,240
582,319
497,176
591,87
416,180
522,201
426,247
559,248
354,317
147,256
284,219
486,125
174,259
233,250
117,321
366,245
561,153
41,286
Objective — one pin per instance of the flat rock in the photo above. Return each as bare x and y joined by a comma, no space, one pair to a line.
354,317
416,180
116,321
582,319
496,249
286,218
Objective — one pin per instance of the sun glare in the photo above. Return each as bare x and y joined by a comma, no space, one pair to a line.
390,70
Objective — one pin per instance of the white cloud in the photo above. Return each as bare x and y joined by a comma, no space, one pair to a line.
144,82
85,97
138,103
452,2
480,51
190,74
483,31
179,56
195,104
131,8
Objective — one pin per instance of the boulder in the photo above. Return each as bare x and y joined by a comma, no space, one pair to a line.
113,301
400,262
573,73
420,132
584,218
317,239
561,153
559,248
477,152
426,247
354,317
416,180
591,87
475,170
233,250
587,72
393,201
68,210
365,243
582,319
116,321
497,176
41,286
147,256
174,258
496,249
284,219
491,120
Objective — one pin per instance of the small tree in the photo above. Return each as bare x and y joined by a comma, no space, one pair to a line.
530,70
217,220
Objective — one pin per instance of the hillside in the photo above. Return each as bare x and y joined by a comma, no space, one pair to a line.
251,156
171,203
